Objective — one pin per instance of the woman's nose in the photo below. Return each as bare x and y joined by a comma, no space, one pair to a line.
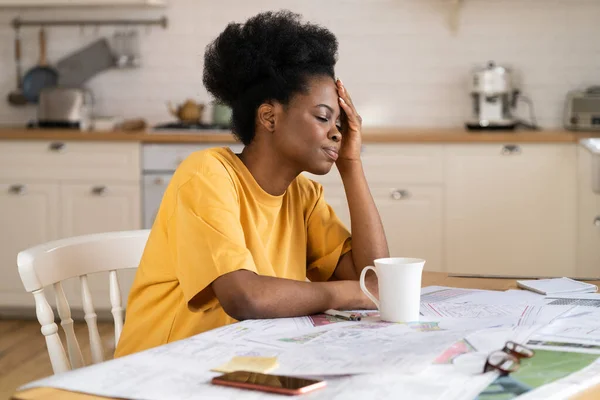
335,135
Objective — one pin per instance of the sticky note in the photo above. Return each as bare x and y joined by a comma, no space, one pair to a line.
252,364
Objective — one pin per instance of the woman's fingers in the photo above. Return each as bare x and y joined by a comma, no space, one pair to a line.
344,94
353,118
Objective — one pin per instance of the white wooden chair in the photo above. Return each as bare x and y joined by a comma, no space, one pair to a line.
50,263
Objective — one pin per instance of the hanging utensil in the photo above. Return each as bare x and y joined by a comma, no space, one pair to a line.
41,76
82,65
16,97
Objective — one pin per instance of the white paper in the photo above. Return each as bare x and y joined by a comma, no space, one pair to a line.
577,330
440,294
361,348
250,328
437,382
541,315
556,285
452,310
181,370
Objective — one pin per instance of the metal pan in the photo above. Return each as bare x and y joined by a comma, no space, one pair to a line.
41,76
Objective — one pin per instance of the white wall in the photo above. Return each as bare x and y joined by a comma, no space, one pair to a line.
398,57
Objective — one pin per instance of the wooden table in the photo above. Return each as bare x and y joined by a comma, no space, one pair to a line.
429,279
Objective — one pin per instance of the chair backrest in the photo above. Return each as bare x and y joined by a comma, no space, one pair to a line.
50,263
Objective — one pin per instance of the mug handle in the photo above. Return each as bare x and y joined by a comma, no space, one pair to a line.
363,287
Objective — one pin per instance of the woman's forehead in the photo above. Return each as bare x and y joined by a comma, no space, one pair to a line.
321,90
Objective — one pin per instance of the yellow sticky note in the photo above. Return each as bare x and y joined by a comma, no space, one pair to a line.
252,364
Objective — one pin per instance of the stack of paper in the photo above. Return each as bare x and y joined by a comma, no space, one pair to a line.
556,286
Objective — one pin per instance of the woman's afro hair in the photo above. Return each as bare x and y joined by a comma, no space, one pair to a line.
269,57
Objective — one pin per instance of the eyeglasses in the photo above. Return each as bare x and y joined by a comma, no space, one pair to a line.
508,359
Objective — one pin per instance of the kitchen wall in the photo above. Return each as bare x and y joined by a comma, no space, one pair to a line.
402,63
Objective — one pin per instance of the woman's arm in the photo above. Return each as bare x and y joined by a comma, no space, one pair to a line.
368,236
247,295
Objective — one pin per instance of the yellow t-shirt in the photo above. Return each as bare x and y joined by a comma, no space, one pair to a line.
214,218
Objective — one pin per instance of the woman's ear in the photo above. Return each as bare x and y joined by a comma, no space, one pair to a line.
266,116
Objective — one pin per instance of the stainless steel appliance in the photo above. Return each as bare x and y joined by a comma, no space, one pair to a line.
582,110
159,162
494,98
64,107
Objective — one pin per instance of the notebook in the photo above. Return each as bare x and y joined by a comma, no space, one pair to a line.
556,286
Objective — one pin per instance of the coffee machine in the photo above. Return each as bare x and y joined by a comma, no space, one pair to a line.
494,98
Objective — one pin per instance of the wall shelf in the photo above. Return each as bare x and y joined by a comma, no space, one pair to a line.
79,3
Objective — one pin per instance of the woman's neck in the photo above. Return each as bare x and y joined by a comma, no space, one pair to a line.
269,170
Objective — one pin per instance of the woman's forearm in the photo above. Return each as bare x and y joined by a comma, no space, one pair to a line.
246,295
368,236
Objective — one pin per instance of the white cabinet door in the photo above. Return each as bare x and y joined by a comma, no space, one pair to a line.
28,217
412,219
511,209
588,238
95,208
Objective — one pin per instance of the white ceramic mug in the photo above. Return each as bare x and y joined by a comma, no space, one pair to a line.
399,281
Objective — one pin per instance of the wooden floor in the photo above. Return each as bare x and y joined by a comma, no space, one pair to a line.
23,355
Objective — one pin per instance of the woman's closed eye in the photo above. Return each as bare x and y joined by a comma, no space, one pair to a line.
338,123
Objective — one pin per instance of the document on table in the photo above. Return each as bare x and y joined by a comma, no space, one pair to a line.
435,294
452,310
436,383
440,294
360,348
249,328
576,330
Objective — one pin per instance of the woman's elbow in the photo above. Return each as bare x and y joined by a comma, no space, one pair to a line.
242,305
238,294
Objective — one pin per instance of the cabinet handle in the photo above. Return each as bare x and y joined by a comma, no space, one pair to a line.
17,189
99,190
509,149
57,146
159,181
597,221
399,194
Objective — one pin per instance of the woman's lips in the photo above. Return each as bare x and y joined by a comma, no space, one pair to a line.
332,153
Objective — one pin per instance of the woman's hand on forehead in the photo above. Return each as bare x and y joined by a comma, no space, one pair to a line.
351,126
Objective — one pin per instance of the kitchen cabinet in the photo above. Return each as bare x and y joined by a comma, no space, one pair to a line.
412,220
28,216
51,190
94,208
588,219
510,210
79,3
524,209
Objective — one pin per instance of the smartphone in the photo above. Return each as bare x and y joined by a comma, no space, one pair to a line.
268,383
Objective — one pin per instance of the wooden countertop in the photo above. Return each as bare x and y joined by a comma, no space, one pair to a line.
370,135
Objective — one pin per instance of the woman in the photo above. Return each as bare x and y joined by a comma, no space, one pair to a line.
237,235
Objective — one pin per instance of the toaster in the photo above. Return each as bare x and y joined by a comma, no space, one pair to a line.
582,110
64,107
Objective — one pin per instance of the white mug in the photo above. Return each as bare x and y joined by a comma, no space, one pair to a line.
399,281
